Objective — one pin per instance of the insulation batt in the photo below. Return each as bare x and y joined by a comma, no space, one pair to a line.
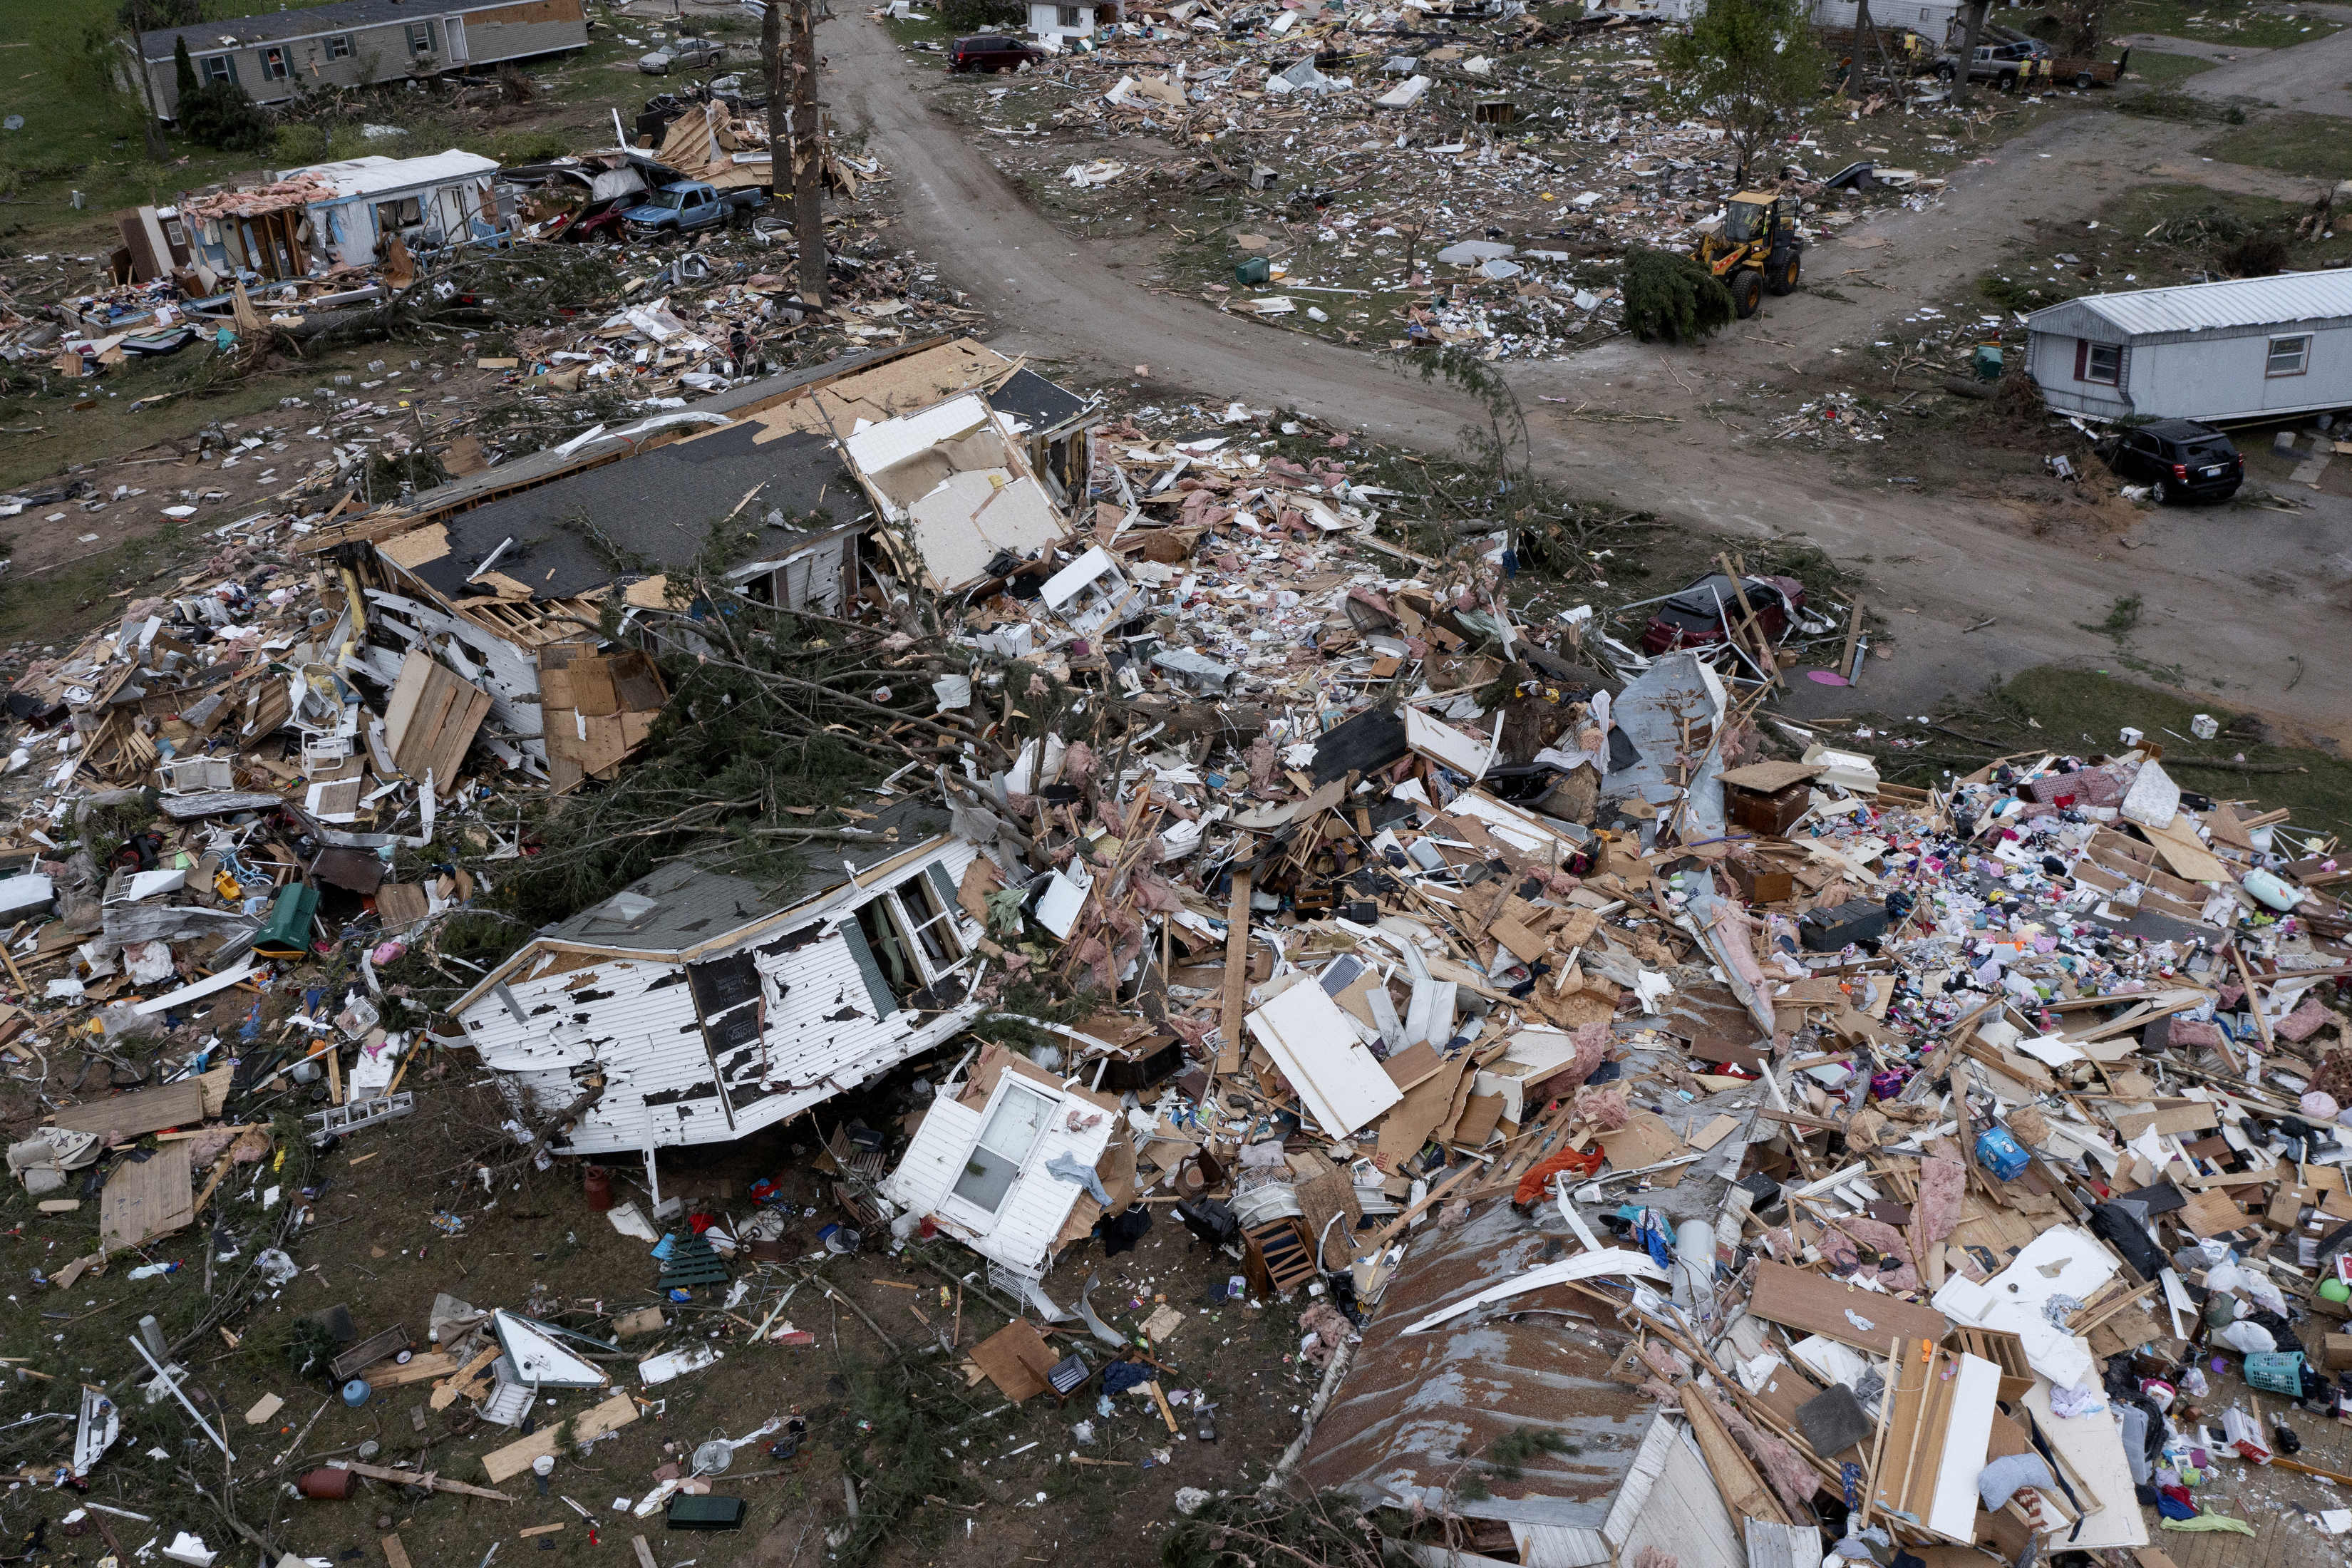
1942,1185
1788,1475
1895,1272
1606,1108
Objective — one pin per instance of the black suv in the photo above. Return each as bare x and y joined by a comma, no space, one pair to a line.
2178,459
990,52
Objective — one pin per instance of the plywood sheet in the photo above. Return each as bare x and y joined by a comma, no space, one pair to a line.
1016,1358
142,1111
430,720
505,1464
2185,852
1842,1312
151,1198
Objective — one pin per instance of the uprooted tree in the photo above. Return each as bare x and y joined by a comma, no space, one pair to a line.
1670,295
1751,65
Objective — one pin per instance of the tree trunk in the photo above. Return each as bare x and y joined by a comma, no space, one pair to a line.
1862,38
771,66
1970,30
808,153
2089,25
151,126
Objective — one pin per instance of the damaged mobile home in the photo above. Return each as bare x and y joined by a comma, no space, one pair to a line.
705,1009
506,573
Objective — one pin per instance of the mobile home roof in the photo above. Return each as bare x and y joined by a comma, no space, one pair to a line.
2238,303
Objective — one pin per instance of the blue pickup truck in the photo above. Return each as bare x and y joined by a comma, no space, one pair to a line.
687,205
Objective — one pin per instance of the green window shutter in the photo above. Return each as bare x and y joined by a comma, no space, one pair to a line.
944,883
855,935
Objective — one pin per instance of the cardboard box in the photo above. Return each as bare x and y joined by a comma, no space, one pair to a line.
2335,1352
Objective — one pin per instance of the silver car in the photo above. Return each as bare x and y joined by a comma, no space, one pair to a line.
689,54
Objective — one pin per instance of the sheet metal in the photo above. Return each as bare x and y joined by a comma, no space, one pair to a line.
1413,1405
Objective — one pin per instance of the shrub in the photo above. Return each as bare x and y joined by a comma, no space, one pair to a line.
1670,295
978,16
2256,256
223,115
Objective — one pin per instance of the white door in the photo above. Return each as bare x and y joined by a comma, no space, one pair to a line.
455,28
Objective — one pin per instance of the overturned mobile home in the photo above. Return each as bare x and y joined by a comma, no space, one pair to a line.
704,1007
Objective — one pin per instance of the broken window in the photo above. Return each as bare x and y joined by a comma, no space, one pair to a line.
932,921
2289,356
888,940
218,68
1015,1122
405,213
1070,17
338,47
420,38
273,65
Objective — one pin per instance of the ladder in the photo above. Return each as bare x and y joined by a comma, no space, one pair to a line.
338,1120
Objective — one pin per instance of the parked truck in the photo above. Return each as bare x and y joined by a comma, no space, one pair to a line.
685,205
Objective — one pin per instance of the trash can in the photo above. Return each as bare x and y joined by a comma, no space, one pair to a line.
1253,271
1987,362
327,1484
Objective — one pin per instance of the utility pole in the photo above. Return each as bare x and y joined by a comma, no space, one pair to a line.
1970,30
808,153
794,146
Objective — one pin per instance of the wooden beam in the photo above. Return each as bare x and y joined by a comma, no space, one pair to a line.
1236,993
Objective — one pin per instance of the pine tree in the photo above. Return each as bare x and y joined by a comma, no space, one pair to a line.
183,71
1669,295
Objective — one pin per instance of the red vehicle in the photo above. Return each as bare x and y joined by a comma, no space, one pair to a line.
1695,617
990,52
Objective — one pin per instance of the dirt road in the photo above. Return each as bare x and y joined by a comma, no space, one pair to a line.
2228,602
2316,77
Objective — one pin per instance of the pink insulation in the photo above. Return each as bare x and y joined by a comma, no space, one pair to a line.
1604,1108
1943,1182
1782,1470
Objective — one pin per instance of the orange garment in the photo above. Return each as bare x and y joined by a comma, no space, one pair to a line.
1537,1181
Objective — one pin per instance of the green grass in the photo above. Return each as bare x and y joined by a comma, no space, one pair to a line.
2122,253
77,138
2216,22
2291,142
2161,70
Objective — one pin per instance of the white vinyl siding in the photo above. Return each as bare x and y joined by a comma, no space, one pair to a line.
636,1016
1019,1234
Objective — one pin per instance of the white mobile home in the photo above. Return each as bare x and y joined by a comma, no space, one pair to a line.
710,1009
2252,348
417,198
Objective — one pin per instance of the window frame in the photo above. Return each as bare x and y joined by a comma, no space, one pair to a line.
2302,352
421,30
216,69
339,46
1009,1085
2089,369
276,62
